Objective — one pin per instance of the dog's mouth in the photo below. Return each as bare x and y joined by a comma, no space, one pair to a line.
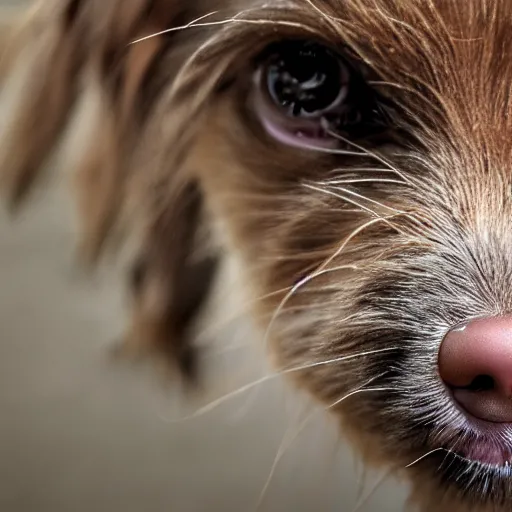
480,472
485,437
477,461
477,444
482,452
477,469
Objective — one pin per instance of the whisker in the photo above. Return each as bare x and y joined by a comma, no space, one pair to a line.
376,485
267,378
244,308
385,219
193,23
451,450
295,288
354,233
338,151
288,440
320,271
419,459
343,198
339,401
356,170
235,19
351,192
367,152
362,180
286,443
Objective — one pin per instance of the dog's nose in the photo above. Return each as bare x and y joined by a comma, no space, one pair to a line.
475,362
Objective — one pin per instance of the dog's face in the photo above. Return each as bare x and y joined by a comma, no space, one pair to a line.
356,157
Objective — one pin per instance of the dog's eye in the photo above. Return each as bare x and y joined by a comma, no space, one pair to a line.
306,80
304,87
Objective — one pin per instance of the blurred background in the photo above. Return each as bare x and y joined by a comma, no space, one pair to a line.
79,433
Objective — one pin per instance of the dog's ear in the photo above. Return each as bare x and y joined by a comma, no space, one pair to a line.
121,76
173,271
63,50
170,281
83,48
42,56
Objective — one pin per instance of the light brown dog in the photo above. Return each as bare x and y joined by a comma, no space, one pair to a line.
355,156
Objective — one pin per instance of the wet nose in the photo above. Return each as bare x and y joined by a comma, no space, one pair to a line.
475,362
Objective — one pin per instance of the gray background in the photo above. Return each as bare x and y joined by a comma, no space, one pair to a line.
78,433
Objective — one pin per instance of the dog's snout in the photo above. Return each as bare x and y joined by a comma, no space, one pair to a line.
475,362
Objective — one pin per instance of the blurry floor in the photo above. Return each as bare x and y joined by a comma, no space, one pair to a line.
78,434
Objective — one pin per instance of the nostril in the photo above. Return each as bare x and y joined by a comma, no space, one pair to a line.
475,363
481,383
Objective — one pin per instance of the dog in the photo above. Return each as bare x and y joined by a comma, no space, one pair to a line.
353,156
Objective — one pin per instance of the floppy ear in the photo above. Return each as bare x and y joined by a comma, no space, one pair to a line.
85,44
172,273
170,281
42,57
60,51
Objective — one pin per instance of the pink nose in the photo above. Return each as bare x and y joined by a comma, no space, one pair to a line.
475,362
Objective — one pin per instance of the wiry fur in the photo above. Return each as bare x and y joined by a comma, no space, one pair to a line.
377,248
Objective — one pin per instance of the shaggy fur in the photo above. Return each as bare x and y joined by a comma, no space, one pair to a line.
358,259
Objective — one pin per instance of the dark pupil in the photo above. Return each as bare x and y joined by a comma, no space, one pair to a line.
305,80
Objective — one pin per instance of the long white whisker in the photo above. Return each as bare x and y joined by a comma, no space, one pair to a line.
361,180
343,198
288,439
367,152
338,151
267,378
354,233
211,329
235,19
424,456
290,294
362,207
339,401
193,23
356,170
245,306
376,485
351,192
451,450
320,271
286,443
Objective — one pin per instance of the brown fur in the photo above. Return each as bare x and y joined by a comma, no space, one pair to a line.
392,265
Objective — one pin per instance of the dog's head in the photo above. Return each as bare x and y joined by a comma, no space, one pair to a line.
354,156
